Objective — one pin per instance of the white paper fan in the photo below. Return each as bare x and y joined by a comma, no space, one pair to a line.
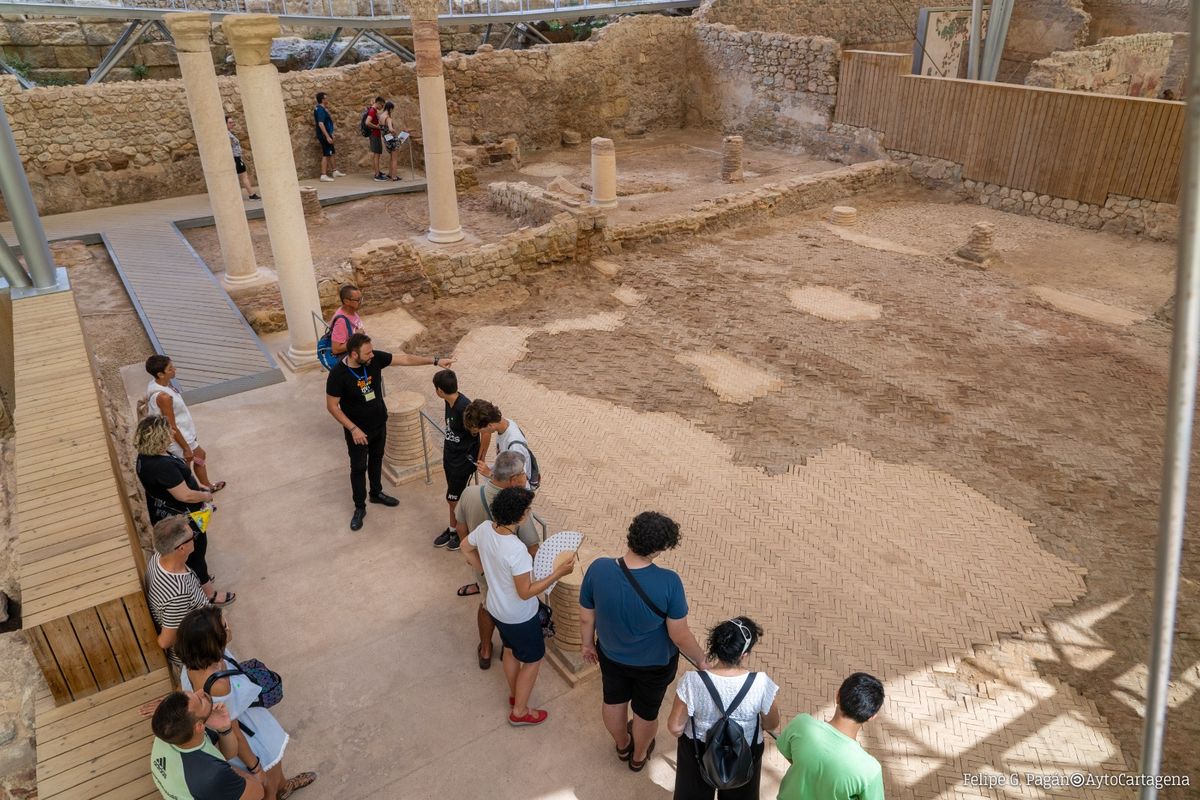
552,548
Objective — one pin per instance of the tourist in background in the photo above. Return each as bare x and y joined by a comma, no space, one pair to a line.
634,624
512,597
323,121
184,762
827,762
351,322
474,509
393,137
172,491
695,712
461,451
375,137
238,163
172,588
165,399
202,646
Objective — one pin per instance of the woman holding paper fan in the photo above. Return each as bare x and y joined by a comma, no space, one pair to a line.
512,602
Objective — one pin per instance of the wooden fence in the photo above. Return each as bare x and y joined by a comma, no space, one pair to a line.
1073,145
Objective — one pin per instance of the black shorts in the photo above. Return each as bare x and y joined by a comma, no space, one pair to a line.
642,687
239,164
326,147
376,144
524,639
457,478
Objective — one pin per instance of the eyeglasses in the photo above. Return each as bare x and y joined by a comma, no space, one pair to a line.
745,634
195,536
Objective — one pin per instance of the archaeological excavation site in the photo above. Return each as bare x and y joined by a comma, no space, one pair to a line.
837,355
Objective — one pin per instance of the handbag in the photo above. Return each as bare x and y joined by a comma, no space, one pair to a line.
259,674
546,617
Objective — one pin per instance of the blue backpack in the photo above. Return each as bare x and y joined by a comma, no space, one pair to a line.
325,352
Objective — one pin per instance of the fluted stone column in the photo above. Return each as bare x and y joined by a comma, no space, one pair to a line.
190,31
444,226
604,173
262,102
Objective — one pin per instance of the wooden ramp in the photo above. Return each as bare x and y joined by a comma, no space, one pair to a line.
185,310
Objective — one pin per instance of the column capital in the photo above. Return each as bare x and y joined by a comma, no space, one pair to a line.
424,9
250,37
190,30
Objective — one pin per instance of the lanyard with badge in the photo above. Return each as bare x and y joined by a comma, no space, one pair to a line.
364,383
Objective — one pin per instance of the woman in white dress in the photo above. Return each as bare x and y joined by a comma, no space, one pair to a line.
202,645
695,711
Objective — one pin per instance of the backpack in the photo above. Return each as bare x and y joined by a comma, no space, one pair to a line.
259,674
728,760
535,474
325,353
362,122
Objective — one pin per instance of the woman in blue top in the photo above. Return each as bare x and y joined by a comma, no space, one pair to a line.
634,625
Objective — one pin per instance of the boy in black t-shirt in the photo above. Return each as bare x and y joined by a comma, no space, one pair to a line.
354,397
459,453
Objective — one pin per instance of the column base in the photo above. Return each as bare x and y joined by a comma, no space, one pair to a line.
604,204
260,277
445,237
398,476
299,360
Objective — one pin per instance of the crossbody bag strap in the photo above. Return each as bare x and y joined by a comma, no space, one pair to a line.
483,499
637,587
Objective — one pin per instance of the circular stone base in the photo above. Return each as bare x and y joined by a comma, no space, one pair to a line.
843,215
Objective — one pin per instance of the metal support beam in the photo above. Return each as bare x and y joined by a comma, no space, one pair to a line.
531,32
11,269
14,185
973,52
507,36
391,45
342,53
337,33
487,34
125,42
1181,408
997,35
21,79
162,27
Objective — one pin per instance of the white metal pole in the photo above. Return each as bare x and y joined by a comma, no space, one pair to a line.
14,185
976,27
1181,406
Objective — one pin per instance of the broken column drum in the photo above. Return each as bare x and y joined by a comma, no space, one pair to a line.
982,243
604,173
731,159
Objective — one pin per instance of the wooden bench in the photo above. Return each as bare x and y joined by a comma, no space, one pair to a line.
98,747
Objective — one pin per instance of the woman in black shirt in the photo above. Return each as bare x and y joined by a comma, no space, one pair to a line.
171,489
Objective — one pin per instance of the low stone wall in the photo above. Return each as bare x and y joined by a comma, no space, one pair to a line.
780,199
768,87
524,201
1119,214
1125,17
1133,66
850,22
1039,28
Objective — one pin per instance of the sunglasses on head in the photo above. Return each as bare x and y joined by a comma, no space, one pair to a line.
745,634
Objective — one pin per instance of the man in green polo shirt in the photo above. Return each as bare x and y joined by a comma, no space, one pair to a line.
827,762
184,762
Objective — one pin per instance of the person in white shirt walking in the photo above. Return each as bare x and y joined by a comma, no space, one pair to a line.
695,710
482,416
163,398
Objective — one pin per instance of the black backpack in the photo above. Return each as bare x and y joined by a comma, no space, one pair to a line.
728,760
362,122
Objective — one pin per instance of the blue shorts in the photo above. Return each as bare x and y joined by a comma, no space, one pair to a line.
524,639
326,147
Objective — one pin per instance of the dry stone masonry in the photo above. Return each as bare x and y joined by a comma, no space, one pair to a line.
731,160
1144,65
851,22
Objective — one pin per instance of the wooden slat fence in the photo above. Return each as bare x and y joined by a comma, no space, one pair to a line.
1074,145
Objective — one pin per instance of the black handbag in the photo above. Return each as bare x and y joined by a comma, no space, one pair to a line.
259,674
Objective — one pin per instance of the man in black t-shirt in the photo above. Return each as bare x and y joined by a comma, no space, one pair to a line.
354,397
459,453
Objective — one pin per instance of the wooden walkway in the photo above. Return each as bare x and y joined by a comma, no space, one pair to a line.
185,310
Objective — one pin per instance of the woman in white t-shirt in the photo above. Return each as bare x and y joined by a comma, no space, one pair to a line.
512,597
695,711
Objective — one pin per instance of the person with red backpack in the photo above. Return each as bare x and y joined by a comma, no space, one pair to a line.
720,715
370,127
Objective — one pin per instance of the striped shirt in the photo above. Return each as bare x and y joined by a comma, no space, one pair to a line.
235,144
172,595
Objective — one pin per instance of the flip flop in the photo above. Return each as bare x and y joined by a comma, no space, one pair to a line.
627,753
637,766
484,663
297,782
216,487
464,590
228,601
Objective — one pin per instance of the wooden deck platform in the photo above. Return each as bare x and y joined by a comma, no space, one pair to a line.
185,310
98,747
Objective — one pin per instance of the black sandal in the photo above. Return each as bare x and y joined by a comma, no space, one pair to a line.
465,590
627,753
637,766
484,663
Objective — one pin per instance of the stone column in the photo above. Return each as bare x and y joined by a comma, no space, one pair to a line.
262,102
190,31
404,454
444,226
604,173
731,159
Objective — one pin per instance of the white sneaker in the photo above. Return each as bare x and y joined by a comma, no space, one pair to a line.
327,179
337,173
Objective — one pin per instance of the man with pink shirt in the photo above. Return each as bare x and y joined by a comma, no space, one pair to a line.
351,322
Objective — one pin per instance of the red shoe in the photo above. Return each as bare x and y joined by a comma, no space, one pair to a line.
512,701
534,717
